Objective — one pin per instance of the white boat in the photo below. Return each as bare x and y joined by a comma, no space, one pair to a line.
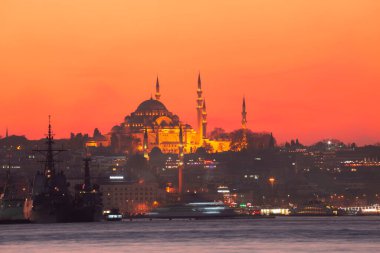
193,210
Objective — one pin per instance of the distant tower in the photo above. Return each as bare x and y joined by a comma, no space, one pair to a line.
244,116
87,177
145,144
271,142
199,111
181,161
6,190
158,95
204,120
8,154
244,143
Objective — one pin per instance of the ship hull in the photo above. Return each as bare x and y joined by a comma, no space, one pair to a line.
86,214
11,211
46,213
39,215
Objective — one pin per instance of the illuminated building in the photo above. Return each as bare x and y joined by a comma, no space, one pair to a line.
153,125
130,197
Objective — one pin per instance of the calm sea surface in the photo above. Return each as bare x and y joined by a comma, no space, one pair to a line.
284,234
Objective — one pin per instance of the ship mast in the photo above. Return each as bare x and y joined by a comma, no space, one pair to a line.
50,153
49,162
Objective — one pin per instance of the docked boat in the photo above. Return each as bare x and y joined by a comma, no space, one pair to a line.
87,206
112,215
193,210
11,205
50,199
313,208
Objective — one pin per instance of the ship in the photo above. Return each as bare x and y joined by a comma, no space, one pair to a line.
193,210
313,208
112,215
87,206
50,200
193,206
11,204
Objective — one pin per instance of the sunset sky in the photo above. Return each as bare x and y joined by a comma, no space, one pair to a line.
308,69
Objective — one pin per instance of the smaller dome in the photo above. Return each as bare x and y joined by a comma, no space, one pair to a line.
151,105
116,129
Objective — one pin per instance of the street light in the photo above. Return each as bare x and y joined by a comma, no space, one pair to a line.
271,181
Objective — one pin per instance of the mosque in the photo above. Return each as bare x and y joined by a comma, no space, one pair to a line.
153,125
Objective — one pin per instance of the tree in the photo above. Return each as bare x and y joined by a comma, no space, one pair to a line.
97,133
219,134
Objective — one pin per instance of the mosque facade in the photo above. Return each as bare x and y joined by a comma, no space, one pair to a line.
152,125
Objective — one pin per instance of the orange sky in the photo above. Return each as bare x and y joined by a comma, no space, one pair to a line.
309,69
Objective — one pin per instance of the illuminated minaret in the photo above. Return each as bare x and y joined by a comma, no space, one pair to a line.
158,95
199,111
244,125
145,144
181,162
204,120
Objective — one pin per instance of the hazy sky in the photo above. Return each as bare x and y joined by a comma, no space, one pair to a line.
309,69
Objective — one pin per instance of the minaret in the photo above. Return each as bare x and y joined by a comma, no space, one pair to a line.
244,143
181,161
204,120
244,116
145,144
158,95
199,111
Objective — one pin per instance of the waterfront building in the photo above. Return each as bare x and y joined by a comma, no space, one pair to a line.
130,198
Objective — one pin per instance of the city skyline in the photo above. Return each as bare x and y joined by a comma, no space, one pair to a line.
308,71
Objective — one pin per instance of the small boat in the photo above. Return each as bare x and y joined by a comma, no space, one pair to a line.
112,215
193,210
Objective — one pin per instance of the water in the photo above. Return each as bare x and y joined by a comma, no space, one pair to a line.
283,234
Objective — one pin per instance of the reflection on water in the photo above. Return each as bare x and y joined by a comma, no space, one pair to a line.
284,234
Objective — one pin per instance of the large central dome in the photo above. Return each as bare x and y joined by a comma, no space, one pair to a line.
151,105
150,113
